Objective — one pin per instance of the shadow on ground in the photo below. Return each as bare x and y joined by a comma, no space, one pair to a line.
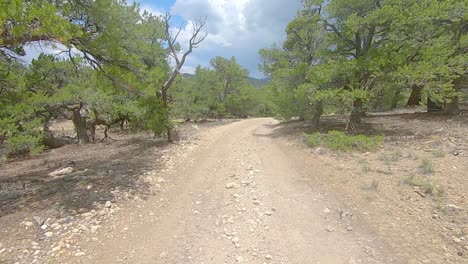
99,169
395,127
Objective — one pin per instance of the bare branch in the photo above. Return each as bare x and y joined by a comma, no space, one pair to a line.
195,40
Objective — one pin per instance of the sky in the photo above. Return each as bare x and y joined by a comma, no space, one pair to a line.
238,28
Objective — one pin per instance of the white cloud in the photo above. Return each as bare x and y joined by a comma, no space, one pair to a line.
235,28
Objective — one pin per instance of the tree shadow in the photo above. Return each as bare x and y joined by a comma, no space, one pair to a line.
395,127
99,170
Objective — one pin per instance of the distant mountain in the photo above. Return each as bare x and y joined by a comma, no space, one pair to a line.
254,81
258,82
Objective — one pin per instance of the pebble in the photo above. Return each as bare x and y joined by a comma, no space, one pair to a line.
326,210
350,228
269,257
57,248
80,254
28,224
39,221
330,229
230,185
108,204
49,234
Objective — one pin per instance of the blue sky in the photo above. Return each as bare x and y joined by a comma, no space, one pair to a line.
237,28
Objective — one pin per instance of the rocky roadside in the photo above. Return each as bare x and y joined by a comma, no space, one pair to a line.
50,236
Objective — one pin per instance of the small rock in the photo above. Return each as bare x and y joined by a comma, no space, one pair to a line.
452,206
80,254
44,227
269,213
94,229
239,259
198,202
28,224
235,240
350,228
39,221
269,257
326,210
57,248
61,172
49,234
231,185
330,229
161,180
108,204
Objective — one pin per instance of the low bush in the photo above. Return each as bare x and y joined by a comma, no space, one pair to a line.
339,141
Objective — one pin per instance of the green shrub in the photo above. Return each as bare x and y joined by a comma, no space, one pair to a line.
426,166
339,141
24,144
438,153
427,186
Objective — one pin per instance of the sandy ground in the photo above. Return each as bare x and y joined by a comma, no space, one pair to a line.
240,198
244,192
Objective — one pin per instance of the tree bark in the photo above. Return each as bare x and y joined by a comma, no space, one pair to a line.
452,108
356,114
415,97
80,126
49,140
318,111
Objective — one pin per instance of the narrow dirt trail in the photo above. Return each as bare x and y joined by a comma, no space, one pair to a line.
243,197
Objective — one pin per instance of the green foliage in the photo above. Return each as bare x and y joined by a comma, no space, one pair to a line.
24,144
339,141
219,92
438,153
426,185
352,56
426,166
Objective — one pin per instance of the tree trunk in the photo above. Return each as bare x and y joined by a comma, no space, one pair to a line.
415,97
80,126
318,111
452,108
356,114
172,135
49,140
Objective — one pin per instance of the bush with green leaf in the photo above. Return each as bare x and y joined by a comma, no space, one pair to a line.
339,141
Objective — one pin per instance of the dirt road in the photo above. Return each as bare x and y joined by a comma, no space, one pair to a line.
243,196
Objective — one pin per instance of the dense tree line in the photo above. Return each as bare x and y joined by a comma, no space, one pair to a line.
349,57
220,91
